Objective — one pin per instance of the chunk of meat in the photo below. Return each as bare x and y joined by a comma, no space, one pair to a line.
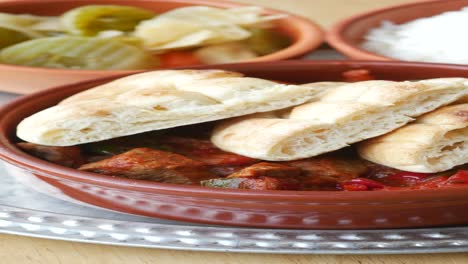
328,171
223,171
186,144
260,176
268,169
153,165
264,183
204,151
320,173
120,145
65,156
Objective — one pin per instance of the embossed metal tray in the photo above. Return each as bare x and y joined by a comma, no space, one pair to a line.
24,211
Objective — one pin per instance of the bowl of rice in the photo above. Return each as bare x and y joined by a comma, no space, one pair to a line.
429,31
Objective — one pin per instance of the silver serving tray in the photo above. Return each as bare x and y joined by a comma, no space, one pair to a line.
25,211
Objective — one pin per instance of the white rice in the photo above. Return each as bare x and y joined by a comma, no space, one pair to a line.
442,38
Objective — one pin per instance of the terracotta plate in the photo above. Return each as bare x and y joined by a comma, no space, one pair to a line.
277,209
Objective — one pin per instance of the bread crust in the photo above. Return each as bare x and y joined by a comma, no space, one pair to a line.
344,115
435,142
463,100
157,100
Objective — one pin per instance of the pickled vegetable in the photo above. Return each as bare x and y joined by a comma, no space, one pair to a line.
247,16
120,37
48,25
17,28
91,19
31,25
264,41
225,53
77,53
9,37
19,20
199,25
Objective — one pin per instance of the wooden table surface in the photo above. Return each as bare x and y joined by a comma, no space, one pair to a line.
17,249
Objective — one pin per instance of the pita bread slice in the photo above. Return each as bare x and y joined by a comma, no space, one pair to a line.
157,100
435,142
346,114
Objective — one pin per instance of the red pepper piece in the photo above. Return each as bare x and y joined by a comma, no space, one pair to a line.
405,178
432,183
461,177
357,75
362,184
178,59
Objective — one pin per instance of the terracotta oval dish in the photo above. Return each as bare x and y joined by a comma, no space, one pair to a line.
305,35
277,209
347,35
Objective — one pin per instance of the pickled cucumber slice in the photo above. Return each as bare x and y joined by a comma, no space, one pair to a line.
31,22
19,20
77,53
91,19
225,53
48,24
21,24
12,32
194,26
9,37
121,36
264,41
243,16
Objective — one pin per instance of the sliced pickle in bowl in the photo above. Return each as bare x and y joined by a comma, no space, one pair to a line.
9,36
31,24
266,41
20,20
91,19
78,53
121,36
48,24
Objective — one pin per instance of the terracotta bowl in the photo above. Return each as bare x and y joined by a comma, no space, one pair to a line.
277,209
347,35
305,35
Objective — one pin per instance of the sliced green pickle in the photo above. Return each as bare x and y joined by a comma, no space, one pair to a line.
91,19
48,24
130,40
16,28
77,53
10,36
19,20
30,23
264,41
121,36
